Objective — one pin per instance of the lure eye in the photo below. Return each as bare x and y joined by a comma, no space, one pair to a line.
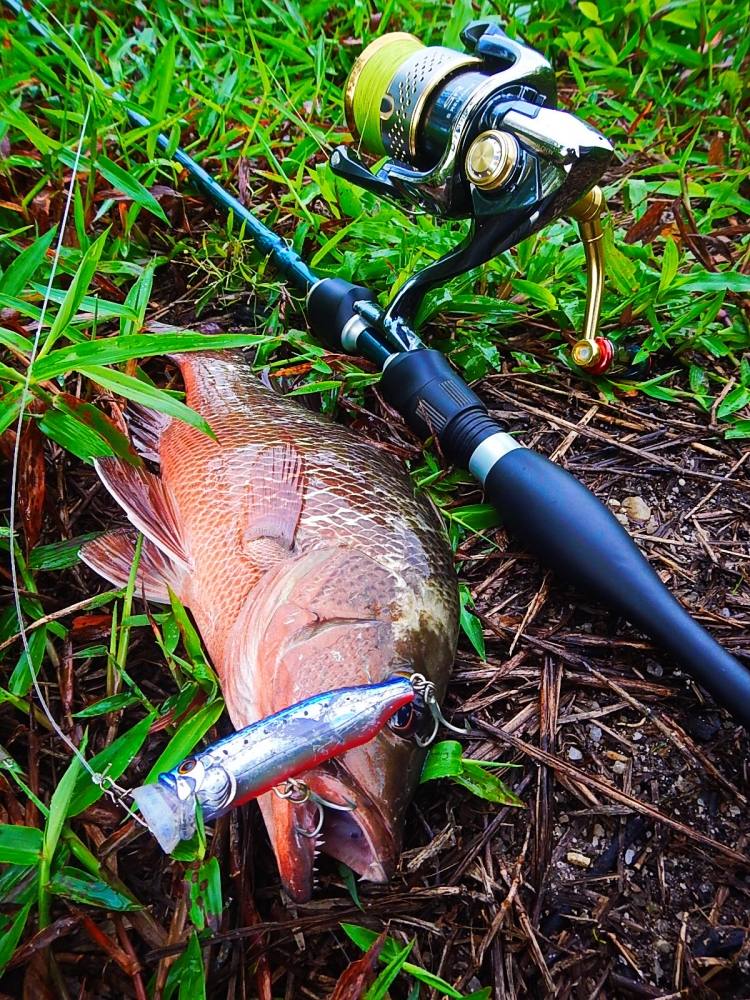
186,766
404,722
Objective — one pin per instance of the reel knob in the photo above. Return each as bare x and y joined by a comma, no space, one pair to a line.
595,355
490,159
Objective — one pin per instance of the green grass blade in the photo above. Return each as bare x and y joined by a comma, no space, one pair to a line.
112,761
82,887
20,845
120,179
10,936
187,736
18,274
147,395
59,811
112,350
74,296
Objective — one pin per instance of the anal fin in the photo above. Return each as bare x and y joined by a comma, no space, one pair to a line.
111,556
274,497
149,504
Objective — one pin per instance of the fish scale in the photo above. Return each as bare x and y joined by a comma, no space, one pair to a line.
308,564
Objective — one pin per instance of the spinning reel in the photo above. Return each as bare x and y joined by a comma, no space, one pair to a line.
477,134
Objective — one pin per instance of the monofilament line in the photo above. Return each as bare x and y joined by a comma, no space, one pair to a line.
25,392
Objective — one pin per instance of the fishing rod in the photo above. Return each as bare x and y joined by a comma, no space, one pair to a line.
543,506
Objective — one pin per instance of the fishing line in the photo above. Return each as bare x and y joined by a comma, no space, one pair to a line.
297,270
25,392
99,778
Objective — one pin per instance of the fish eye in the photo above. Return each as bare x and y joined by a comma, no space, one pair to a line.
404,722
186,766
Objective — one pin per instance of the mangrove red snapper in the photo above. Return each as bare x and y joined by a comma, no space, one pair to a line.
308,564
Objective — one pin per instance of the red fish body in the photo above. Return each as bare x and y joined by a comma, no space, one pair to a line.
308,564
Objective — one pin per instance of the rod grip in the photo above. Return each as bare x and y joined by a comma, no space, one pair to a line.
576,535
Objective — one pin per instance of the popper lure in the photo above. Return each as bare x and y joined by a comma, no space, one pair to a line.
270,753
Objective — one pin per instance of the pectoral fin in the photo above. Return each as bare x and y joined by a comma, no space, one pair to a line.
112,554
274,503
149,504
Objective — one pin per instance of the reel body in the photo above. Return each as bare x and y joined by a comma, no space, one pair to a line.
478,135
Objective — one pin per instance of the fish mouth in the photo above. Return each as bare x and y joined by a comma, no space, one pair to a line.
361,837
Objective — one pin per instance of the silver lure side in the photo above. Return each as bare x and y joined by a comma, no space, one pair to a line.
261,756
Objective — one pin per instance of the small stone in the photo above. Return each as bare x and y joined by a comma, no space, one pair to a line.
636,508
595,733
663,947
575,754
578,859
681,482
598,830
655,669
637,735
613,503
619,767
702,727
629,856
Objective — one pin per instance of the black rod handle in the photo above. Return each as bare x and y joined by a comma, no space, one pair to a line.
578,537
557,518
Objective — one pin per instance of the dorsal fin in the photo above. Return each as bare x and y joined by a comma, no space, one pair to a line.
146,427
112,554
149,504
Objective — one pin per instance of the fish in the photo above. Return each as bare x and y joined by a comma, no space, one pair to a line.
262,756
308,563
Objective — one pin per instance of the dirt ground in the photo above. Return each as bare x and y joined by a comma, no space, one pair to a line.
624,876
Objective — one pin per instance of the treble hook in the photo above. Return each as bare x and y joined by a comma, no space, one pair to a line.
297,791
293,790
426,689
321,805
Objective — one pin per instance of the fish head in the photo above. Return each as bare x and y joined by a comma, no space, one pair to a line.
334,619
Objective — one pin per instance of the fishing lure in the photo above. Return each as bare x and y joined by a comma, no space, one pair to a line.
270,753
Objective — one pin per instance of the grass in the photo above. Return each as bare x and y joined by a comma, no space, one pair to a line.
253,91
